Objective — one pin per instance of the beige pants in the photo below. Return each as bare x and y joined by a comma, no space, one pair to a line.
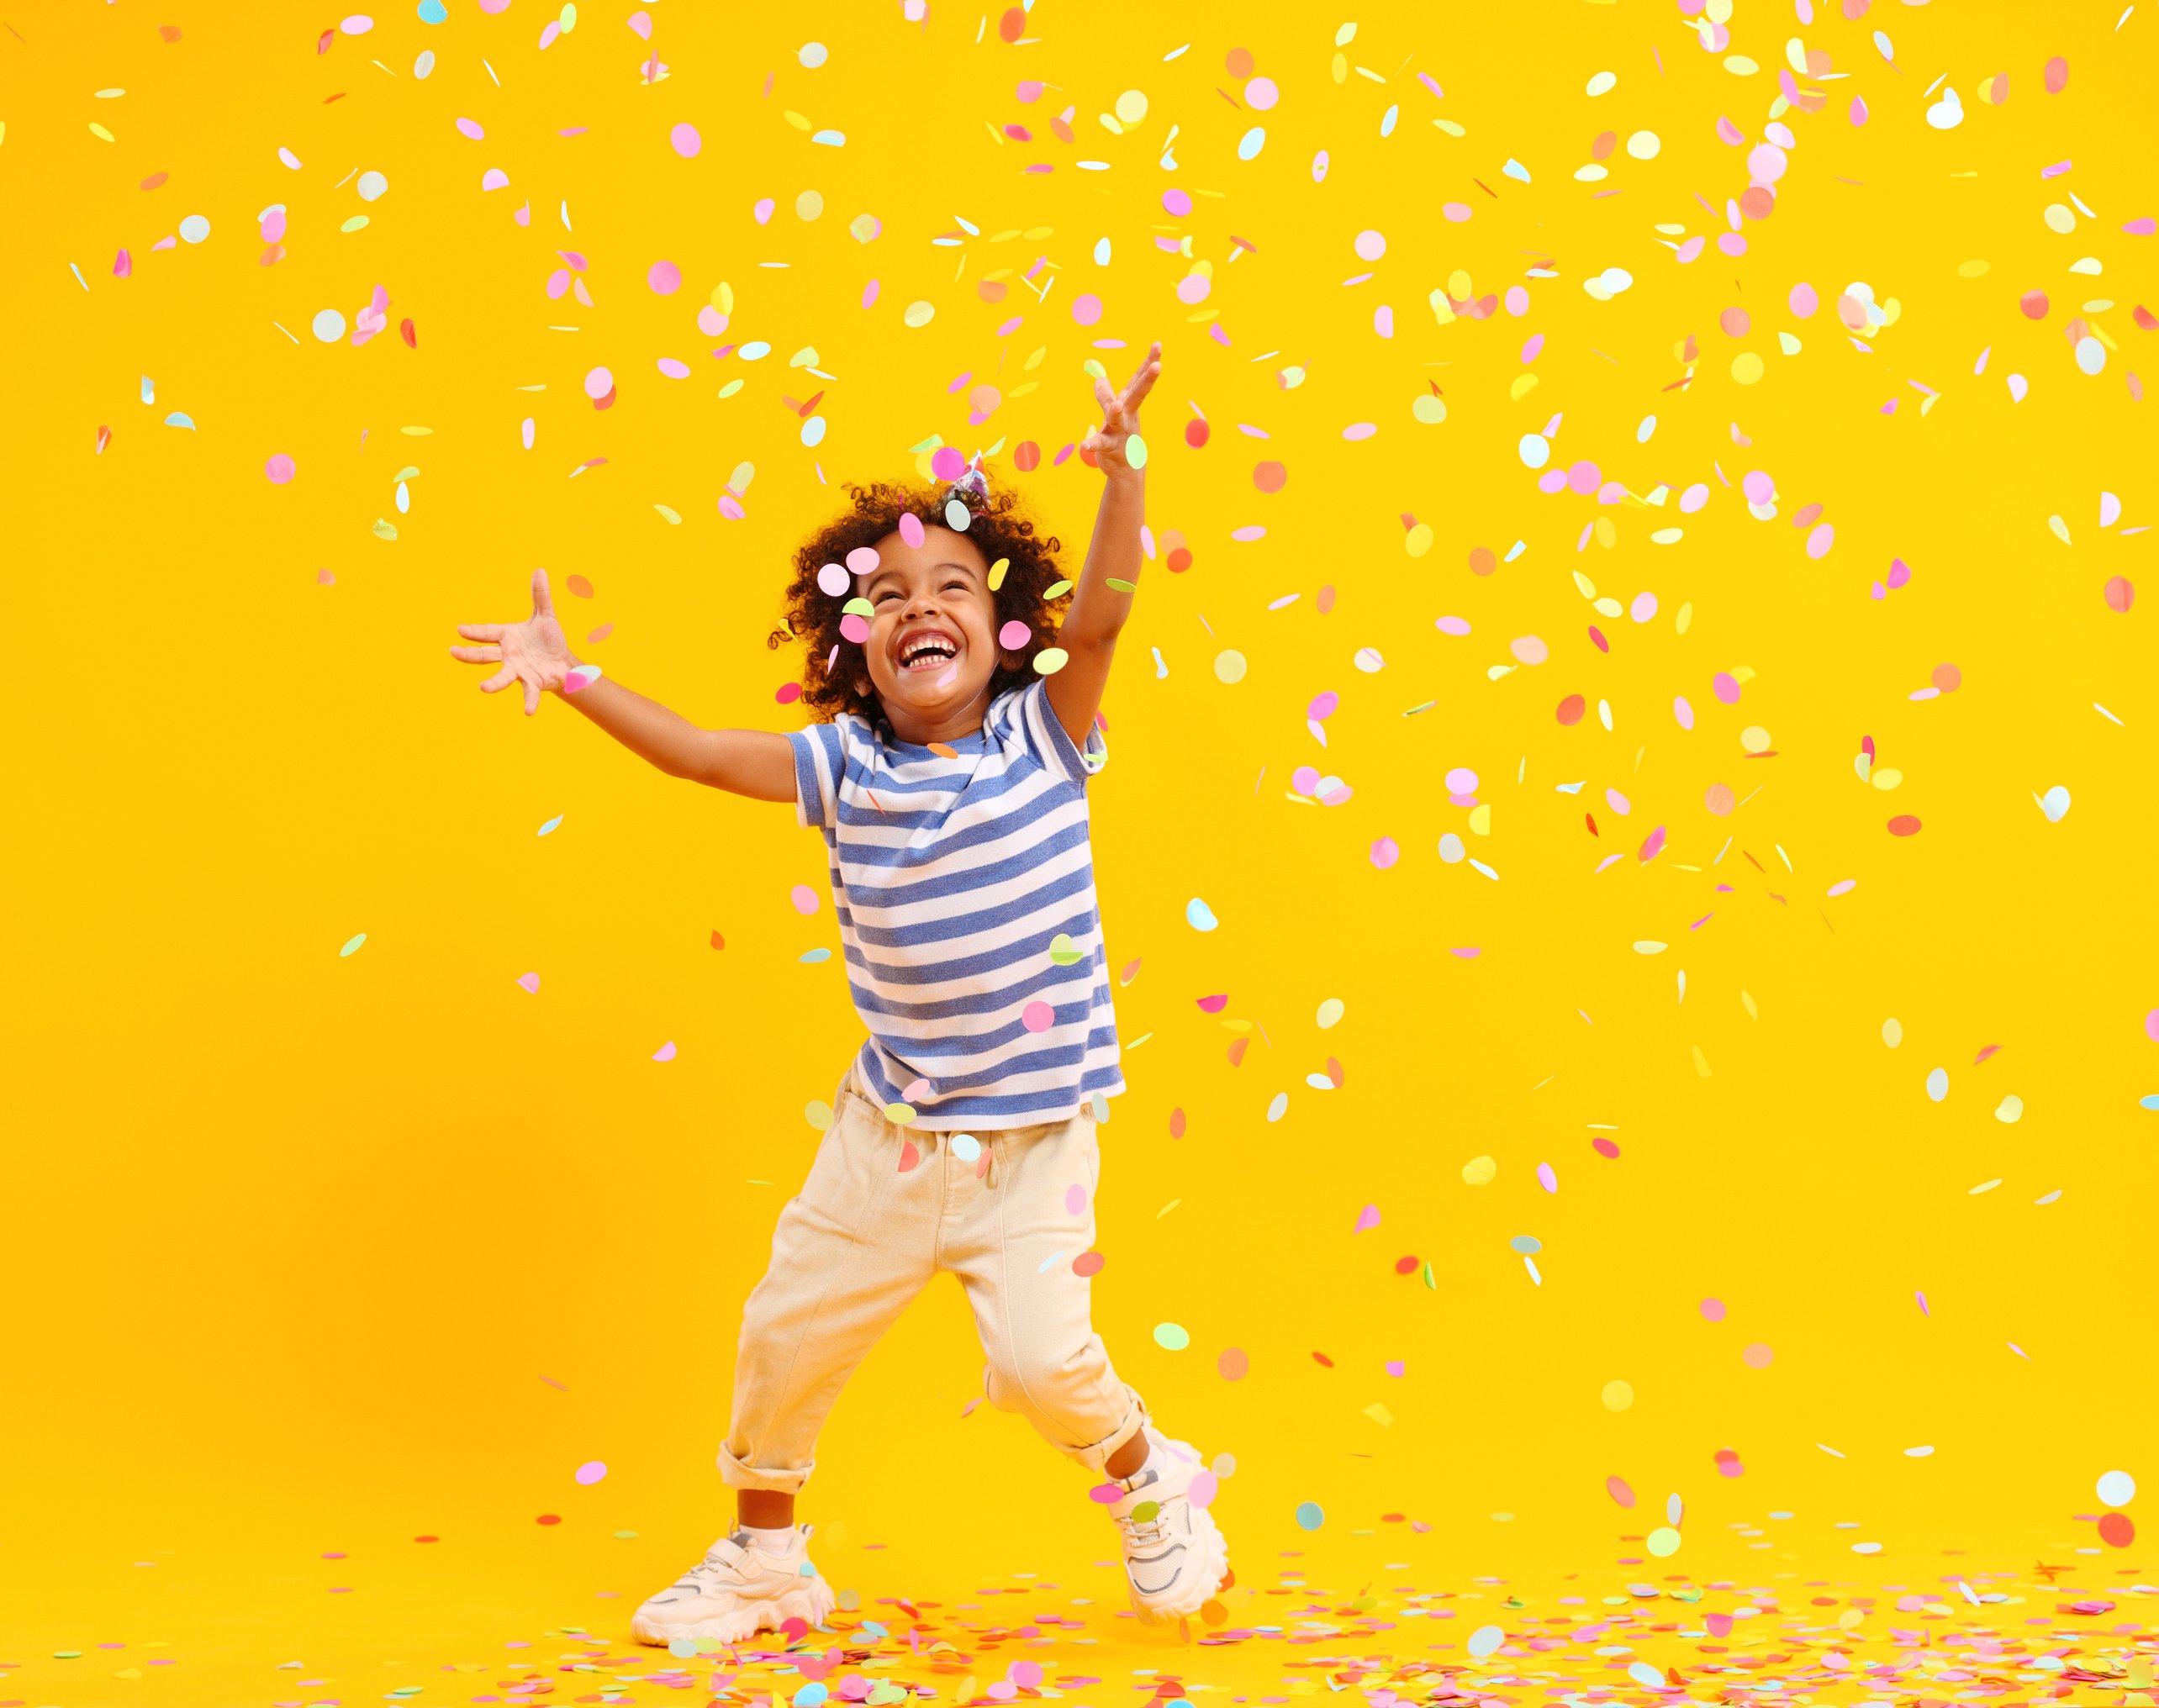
862,1238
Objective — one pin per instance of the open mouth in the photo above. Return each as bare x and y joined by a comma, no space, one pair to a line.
929,651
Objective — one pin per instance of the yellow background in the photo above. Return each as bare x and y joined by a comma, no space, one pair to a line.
293,1238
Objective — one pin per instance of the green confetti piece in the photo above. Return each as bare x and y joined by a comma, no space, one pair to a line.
1056,589
355,223
351,945
1136,451
1126,587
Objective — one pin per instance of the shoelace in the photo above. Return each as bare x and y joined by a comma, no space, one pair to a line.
1144,1531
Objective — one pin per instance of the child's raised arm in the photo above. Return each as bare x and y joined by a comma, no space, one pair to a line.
759,763
1088,633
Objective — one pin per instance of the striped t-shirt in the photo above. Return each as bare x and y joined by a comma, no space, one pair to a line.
965,890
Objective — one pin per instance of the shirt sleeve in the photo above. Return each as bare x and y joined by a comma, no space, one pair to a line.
820,763
1026,720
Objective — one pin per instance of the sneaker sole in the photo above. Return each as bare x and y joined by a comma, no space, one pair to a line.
805,1604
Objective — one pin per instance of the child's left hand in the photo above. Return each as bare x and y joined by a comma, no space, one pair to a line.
1115,447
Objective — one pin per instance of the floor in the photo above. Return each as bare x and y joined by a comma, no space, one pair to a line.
426,1628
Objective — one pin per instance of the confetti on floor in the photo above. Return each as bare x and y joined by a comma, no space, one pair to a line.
1950,1633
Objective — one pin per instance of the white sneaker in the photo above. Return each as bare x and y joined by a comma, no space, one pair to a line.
737,1589
1174,1558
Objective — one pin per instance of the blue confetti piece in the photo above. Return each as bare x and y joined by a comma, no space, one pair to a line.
1161,670
1309,1517
181,419
1526,1244
814,955
1199,915
2150,1102
550,824
149,389
1642,1673
830,139
1485,869
1515,169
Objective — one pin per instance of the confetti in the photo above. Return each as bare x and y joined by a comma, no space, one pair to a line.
1626,454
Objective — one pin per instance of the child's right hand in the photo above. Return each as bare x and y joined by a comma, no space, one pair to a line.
534,652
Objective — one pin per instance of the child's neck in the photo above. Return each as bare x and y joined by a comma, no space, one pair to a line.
956,726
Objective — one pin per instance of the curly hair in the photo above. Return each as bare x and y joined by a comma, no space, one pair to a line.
998,526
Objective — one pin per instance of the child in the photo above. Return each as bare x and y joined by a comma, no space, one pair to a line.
949,783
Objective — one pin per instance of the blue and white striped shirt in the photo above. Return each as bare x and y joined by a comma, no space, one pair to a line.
965,890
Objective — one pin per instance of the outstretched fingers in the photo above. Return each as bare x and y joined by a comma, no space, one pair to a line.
1143,381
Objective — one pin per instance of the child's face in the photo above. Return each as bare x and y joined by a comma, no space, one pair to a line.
932,645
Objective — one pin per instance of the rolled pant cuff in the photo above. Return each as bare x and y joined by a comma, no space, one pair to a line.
1097,1457
738,1474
